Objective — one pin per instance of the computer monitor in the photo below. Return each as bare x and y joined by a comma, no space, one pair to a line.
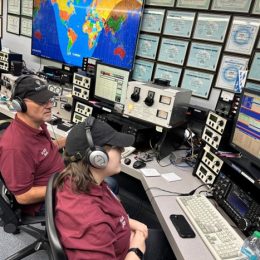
111,84
246,131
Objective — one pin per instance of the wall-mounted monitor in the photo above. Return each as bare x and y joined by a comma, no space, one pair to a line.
67,31
111,84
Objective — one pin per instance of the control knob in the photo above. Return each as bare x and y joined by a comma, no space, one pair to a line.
244,224
215,138
221,123
217,163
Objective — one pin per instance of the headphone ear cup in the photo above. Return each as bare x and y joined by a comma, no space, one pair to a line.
19,105
97,158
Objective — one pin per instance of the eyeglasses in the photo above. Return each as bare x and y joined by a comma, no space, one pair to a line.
51,100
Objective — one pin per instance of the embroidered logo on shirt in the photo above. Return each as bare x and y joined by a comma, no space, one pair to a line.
44,152
122,221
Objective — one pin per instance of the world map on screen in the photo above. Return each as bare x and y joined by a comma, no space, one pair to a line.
68,30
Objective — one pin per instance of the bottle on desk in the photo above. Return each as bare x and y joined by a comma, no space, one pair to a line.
251,246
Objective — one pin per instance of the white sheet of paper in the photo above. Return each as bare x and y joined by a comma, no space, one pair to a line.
171,176
150,172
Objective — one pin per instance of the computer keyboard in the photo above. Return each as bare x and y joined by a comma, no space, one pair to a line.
220,238
128,150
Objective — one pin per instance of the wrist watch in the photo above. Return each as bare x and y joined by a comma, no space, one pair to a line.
138,252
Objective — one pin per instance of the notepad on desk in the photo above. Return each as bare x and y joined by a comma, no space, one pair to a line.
150,172
171,177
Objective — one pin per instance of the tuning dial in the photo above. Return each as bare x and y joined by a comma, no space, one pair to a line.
221,123
244,224
217,163
67,107
215,138
149,99
209,178
136,94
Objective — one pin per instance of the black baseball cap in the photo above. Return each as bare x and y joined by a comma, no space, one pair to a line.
33,88
102,134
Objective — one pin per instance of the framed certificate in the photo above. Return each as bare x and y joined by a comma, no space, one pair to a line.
199,83
147,46
253,85
13,24
204,56
168,73
194,4
152,20
27,7
173,51
160,2
256,9
179,23
143,70
229,71
242,35
254,72
241,6
1,7
1,28
26,27
14,7
211,27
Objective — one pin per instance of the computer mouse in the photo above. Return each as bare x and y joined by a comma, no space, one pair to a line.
139,164
127,161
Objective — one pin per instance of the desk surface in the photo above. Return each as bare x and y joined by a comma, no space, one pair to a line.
164,206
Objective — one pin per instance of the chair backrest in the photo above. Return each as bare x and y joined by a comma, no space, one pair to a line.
56,247
10,213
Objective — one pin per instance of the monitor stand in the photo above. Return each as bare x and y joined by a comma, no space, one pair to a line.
169,141
247,166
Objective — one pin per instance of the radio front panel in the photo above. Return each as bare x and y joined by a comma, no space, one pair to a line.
80,92
216,122
78,118
211,137
83,109
205,174
81,80
211,160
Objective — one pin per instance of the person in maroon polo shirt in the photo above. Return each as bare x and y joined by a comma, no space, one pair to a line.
28,156
91,221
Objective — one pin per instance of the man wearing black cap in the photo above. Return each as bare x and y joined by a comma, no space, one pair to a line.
28,156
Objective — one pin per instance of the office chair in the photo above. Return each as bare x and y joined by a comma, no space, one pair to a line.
13,221
56,247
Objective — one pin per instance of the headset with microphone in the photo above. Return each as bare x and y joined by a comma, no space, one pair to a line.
18,102
96,156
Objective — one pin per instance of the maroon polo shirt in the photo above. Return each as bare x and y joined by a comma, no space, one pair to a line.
28,158
92,226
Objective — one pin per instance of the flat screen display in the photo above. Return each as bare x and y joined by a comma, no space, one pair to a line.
67,31
246,132
111,84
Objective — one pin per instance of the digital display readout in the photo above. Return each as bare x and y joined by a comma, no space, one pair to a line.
240,203
213,118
